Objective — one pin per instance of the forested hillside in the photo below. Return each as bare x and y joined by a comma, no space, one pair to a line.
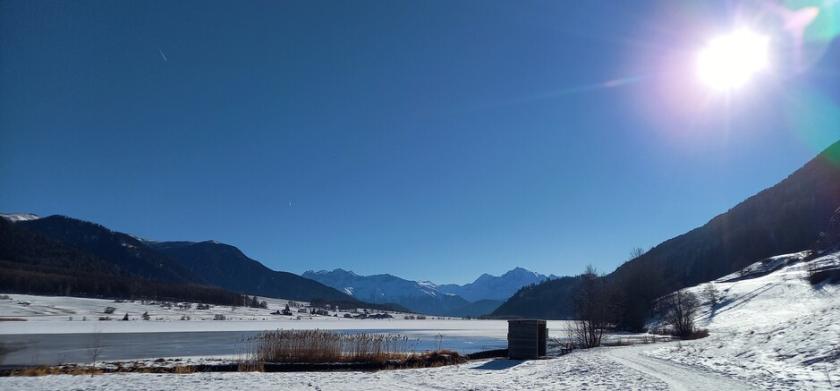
785,218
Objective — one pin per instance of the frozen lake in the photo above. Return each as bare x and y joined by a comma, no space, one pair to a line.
52,329
45,349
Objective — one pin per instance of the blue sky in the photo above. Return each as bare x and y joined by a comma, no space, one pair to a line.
432,140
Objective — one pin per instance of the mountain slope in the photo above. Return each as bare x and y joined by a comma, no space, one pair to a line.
226,266
477,308
785,218
488,287
552,299
423,297
33,263
127,253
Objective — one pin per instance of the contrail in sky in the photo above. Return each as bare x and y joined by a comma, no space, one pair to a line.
163,56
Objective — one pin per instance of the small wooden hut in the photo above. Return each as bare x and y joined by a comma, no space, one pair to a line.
527,338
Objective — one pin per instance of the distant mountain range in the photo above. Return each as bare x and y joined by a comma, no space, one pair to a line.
421,297
488,287
62,255
791,216
477,298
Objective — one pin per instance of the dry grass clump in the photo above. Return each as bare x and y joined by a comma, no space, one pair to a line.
437,358
56,370
320,346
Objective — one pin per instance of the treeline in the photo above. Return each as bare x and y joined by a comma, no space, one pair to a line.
47,280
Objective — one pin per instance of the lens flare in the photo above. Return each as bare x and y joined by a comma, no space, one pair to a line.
730,61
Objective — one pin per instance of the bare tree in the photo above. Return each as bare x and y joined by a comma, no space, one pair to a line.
593,312
678,310
711,295
635,253
95,348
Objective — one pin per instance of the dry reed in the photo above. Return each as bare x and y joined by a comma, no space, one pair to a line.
320,346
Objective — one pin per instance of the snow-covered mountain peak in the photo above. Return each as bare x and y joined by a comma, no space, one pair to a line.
427,284
15,217
334,272
419,296
521,272
484,277
490,287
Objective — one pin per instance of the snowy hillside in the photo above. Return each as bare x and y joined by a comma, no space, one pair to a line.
770,326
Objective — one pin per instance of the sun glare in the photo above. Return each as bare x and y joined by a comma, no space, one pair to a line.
729,61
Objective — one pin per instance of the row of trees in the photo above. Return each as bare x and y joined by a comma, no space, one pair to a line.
253,302
48,280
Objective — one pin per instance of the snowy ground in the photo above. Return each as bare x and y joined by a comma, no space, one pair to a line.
774,330
577,371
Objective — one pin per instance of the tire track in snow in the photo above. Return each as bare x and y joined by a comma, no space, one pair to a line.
678,377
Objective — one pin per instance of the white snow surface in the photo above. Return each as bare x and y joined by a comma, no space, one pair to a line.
577,371
774,330
64,315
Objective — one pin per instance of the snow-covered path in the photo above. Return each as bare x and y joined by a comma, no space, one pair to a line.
676,376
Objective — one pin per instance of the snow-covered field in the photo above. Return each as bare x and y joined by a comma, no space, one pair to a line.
774,330
73,315
68,315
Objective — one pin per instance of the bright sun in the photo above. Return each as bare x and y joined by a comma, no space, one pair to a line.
729,61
